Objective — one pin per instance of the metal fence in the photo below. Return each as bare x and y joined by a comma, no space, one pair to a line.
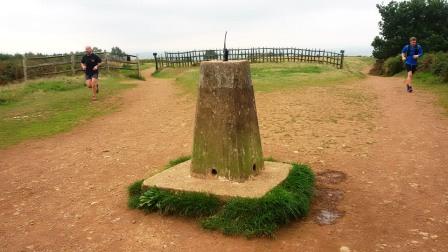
254,55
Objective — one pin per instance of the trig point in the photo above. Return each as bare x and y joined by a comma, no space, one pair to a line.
227,158
226,135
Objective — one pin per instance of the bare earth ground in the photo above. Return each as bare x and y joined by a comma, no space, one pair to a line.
68,192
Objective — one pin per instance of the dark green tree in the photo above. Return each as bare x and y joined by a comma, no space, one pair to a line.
116,51
425,19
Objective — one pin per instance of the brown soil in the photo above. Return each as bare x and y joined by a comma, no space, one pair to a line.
68,192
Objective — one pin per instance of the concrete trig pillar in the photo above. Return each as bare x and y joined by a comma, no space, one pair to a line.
226,136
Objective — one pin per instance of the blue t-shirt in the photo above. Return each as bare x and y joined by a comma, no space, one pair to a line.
417,50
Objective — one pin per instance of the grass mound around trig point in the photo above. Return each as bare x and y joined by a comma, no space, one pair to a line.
251,217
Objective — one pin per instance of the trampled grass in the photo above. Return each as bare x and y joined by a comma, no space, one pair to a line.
44,107
238,216
433,84
263,217
268,77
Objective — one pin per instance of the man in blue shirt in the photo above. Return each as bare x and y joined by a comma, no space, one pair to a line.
410,54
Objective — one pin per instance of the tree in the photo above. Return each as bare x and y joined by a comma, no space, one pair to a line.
425,19
116,51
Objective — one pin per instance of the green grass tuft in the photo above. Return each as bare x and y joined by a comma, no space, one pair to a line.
134,192
432,83
262,217
177,161
239,216
190,204
53,86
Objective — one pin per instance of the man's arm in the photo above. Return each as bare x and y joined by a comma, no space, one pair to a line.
83,63
404,53
420,53
98,64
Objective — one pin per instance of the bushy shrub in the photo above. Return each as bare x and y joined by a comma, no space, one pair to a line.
377,68
440,66
392,66
10,70
425,63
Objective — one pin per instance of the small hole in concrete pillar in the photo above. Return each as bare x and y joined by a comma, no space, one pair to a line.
214,171
254,167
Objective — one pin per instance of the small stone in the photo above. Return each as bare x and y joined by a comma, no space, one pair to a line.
134,221
414,242
434,236
344,249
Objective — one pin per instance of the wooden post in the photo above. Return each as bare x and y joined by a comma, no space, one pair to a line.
155,59
106,55
25,74
342,59
72,61
138,68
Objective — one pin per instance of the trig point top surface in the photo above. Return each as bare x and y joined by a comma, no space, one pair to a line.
226,74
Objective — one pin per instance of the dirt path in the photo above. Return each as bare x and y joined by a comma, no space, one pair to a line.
68,192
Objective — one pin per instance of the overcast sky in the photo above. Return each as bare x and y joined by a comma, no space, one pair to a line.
136,26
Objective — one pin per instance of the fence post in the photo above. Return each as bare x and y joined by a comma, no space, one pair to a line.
138,67
342,59
106,55
72,60
25,74
155,59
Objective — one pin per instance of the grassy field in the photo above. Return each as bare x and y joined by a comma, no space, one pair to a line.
268,77
427,81
44,107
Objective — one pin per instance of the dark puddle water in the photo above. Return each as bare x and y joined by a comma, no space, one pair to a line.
331,177
326,200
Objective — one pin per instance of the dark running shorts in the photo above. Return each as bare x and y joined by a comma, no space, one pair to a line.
410,68
89,76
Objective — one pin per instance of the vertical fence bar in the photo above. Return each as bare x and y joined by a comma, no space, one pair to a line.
106,55
72,63
155,60
342,59
25,74
138,68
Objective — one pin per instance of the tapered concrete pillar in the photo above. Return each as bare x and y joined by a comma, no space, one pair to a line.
226,136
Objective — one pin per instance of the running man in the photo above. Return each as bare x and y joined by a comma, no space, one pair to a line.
90,63
410,54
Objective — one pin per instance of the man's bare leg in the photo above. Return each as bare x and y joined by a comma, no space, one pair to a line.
409,78
88,83
94,87
409,82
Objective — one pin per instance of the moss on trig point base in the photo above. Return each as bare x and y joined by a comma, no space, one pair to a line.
226,135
